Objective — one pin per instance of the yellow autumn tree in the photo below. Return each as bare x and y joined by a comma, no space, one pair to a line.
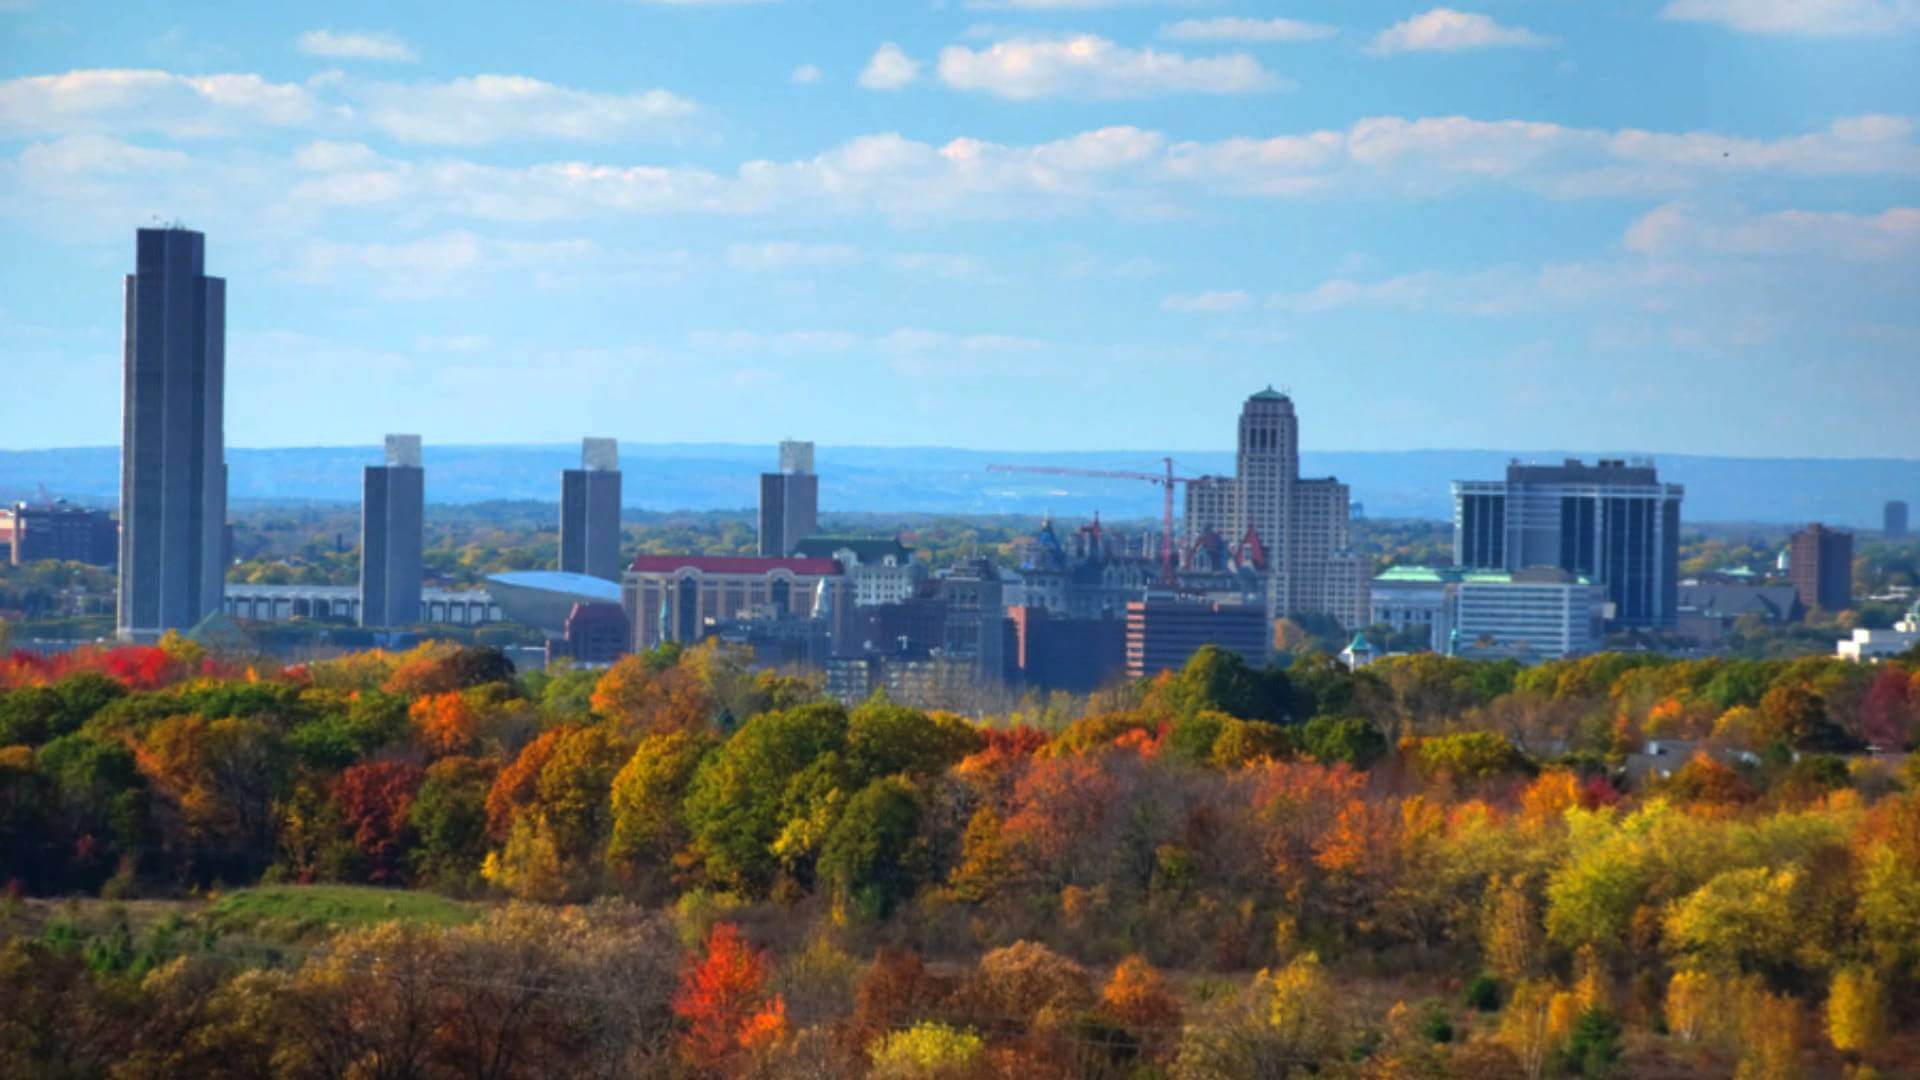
1510,931
1299,1006
1856,1011
529,866
1526,1026
1690,1004
1770,1038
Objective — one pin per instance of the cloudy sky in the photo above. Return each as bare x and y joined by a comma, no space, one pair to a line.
1660,225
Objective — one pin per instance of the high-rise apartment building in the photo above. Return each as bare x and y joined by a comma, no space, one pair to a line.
1303,524
392,517
789,501
173,478
1820,565
1612,522
1895,520
590,512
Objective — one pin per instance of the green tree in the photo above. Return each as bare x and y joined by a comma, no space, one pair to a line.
449,815
573,791
1349,739
1219,680
868,854
648,826
1740,920
100,805
737,806
884,739
1593,1047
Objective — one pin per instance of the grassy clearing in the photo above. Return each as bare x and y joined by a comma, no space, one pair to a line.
304,912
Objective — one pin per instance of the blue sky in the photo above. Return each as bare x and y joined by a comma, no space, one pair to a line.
1660,225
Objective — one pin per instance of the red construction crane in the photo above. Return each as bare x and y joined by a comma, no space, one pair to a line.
1165,482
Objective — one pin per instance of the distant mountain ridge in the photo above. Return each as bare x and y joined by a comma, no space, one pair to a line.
722,476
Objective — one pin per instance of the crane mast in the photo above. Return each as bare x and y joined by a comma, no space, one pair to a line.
1166,483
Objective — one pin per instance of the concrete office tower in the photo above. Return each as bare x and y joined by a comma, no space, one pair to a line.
392,512
590,512
1611,522
1303,523
789,501
1821,567
1896,520
173,490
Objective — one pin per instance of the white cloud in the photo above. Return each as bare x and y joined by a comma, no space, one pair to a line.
122,101
1022,69
457,112
1208,303
96,156
483,109
1810,18
787,255
889,69
328,156
432,264
1447,30
1682,230
1122,171
1229,28
1703,280
805,75
342,45
1431,155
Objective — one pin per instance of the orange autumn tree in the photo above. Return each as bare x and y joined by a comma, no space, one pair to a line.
1138,998
723,1002
518,783
645,694
444,723
1061,807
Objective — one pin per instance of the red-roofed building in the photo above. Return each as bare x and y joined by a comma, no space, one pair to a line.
684,598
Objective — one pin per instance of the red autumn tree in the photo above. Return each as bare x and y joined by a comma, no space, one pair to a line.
723,1002
375,799
1887,711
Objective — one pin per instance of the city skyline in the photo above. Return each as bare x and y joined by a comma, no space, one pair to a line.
1490,231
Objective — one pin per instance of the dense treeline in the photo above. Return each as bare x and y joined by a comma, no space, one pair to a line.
1430,867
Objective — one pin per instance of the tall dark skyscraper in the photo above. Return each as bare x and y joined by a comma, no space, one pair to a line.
1612,522
173,484
392,513
789,501
1820,565
1896,520
590,512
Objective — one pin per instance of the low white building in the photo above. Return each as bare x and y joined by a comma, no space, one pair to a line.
341,603
1543,613
1546,612
1871,645
1412,598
